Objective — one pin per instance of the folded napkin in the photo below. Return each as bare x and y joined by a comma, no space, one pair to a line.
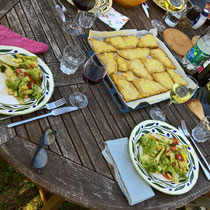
132,185
8,37
113,18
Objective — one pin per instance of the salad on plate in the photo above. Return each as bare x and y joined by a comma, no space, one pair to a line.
23,76
164,155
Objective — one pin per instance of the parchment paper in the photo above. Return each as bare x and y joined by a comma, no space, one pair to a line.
101,35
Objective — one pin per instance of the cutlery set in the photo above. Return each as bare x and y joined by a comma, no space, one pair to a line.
50,106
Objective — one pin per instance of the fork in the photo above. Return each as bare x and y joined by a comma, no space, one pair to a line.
48,106
187,133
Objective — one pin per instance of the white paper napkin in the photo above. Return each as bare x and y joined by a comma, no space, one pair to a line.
132,185
113,18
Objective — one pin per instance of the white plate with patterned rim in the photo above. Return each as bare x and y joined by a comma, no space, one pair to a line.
8,103
156,180
101,6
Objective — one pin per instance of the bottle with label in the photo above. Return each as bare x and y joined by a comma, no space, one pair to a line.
201,19
198,54
203,74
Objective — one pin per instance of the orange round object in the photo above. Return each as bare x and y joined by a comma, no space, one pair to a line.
128,3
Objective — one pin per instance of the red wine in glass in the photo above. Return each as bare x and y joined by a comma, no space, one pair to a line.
84,5
93,71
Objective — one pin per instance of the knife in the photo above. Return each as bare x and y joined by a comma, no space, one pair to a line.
145,8
54,112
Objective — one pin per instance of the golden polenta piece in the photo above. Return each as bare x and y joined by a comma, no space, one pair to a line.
128,75
153,65
117,41
110,59
101,47
162,57
176,77
122,64
147,87
164,79
138,68
134,53
148,40
126,88
131,41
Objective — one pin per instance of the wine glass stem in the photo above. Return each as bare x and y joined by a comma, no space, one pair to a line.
75,19
167,105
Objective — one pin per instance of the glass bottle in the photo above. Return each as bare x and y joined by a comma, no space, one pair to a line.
198,54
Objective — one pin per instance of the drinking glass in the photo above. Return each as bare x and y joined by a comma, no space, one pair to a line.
178,94
86,19
93,73
172,7
72,27
73,57
201,132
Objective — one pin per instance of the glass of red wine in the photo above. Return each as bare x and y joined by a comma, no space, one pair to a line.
93,73
72,27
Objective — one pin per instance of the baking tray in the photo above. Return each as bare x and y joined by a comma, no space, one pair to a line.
123,108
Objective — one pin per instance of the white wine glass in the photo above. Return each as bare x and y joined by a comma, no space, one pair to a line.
178,94
171,6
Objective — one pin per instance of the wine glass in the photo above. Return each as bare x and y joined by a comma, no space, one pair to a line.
178,94
71,27
172,6
93,73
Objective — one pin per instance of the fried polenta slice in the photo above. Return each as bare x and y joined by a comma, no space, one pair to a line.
122,42
110,59
162,57
134,53
164,79
147,87
176,77
138,68
128,75
126,88
148,40
153,65
122,64
101,47
131,41
117,41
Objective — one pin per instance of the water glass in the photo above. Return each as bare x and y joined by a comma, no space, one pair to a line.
201,132
86,19
73,57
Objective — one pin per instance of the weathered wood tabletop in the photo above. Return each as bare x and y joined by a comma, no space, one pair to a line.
76,169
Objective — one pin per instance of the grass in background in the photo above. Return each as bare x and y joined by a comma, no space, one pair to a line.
18,193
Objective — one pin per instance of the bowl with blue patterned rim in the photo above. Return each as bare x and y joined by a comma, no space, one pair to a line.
156,180
8,103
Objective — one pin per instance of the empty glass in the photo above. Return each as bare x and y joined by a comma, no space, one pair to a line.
73,57
201,132
86,19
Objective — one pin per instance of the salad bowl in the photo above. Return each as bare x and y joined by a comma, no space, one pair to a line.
8,103
157,180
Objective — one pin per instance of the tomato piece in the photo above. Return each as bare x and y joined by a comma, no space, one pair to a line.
174,149
179,157
40,77
166,176
175,141
31,78
29,85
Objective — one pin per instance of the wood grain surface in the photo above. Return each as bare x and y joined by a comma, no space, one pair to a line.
76,169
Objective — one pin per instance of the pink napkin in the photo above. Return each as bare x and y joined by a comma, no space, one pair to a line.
8,37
